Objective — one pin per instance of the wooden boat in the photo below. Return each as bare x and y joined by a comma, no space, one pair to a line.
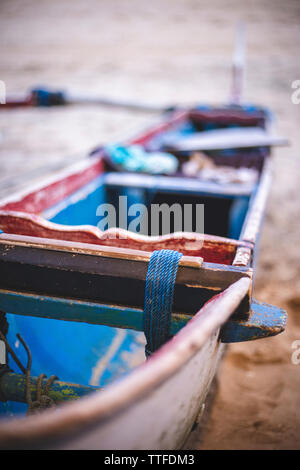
56,264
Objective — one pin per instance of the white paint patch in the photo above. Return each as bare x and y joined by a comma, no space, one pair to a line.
103,362
2,353
136,355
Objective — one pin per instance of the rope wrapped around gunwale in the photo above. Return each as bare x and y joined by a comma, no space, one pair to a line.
159,293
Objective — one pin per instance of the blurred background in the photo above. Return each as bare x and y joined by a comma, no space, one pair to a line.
173,52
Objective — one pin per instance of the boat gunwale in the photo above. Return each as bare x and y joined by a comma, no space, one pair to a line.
39,265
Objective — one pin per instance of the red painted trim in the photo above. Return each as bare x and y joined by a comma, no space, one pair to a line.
211,248
47,196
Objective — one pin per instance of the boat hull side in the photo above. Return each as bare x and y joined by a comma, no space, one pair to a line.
164,417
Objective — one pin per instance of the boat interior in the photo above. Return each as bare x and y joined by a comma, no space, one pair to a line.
224,182
222,190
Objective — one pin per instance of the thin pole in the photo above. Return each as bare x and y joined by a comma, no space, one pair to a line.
238,64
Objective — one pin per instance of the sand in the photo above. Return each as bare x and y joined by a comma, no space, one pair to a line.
162,52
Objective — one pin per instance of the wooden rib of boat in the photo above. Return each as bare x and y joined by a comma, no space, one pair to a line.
56,264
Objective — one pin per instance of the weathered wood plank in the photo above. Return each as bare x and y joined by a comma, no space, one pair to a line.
107,280
264,320
178,185
229,138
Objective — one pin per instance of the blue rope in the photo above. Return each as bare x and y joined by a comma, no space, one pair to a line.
159,292
44,97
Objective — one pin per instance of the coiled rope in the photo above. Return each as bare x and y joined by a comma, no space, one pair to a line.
42,397
159,293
